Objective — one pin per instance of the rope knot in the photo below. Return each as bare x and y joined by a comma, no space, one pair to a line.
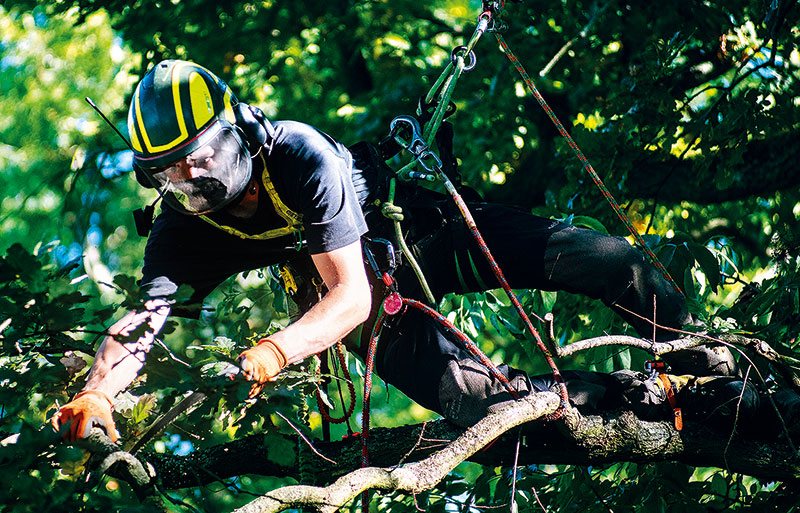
392,211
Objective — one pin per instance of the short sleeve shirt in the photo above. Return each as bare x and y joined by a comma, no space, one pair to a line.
311,173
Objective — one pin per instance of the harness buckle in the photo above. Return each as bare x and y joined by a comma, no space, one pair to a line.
654,367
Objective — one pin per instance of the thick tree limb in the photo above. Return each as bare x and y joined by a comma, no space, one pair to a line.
765,168
413,477
788,367
581,440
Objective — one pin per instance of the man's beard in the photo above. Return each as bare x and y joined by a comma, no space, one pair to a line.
202,194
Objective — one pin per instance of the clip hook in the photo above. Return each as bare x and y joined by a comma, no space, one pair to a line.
416,145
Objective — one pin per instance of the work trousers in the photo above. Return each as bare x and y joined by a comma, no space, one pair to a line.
424,361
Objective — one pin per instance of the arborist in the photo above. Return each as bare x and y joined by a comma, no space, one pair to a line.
241,192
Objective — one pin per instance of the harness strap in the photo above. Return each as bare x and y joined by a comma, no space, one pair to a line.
293,220
673,400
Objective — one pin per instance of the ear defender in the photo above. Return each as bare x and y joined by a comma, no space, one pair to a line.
255,127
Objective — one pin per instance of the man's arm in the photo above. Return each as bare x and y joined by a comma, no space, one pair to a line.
345,306
117,363
115,366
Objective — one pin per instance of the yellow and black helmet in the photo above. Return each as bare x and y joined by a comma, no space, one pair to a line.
182,126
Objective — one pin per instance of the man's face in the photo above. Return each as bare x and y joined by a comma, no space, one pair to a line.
197,163
209,177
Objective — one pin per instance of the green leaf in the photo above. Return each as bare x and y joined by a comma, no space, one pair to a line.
141,410
589,222
708,263
549,299
279,450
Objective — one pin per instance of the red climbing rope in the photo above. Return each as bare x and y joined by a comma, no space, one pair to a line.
432,164
470,345
584,161
323,409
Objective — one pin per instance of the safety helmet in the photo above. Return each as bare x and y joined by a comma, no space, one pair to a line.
182,126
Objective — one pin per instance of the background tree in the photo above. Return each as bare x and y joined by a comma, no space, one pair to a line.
688,110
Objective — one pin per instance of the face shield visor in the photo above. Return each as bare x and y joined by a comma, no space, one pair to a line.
208,178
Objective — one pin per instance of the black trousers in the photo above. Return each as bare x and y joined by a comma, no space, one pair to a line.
426,363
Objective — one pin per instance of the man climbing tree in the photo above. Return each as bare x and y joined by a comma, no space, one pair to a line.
240,192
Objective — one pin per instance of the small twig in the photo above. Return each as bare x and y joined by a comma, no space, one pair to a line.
177,502
736,416
306,440
171,355
163,421
416,505
596,493
582,34
514,473
538,501
550,340
655,304
414,448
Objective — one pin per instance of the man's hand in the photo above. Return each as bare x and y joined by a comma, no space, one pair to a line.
89,408
261,364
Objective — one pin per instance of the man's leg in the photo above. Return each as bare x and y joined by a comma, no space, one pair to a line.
430,366
539,253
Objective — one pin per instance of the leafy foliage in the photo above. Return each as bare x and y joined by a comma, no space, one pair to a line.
689,111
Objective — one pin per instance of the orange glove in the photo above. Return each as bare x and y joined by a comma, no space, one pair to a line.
88,409
261,364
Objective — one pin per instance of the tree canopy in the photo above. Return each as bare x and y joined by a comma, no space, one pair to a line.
689,111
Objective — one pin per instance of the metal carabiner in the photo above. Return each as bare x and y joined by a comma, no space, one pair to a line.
382,273
403,123
430,161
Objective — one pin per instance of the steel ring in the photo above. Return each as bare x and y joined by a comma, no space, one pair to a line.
471,61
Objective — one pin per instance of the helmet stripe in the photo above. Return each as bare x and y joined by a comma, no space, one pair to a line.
200,98
226,99
172,103
137,146
178,112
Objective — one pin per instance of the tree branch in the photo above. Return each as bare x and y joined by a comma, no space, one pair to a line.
610,436
414,477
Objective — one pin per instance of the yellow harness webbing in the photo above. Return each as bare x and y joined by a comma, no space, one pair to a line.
294,221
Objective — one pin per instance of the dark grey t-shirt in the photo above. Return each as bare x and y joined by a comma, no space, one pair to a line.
311,173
